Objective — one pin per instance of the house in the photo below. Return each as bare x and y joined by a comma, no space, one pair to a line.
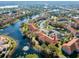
63,20
7,20
76,20
2,43
72,30
75,25
1,23
71,46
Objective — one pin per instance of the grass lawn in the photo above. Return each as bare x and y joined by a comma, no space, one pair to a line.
61,55
49,27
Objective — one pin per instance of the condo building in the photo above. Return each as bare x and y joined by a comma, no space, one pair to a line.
71,46
42,36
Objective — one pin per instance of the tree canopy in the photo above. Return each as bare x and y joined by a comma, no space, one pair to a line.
31,56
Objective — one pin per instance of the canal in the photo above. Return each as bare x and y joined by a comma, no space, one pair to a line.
14,32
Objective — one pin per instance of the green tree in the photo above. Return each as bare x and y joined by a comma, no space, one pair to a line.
24,27
50,51
31,56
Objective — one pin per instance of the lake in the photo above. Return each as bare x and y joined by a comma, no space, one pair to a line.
14,32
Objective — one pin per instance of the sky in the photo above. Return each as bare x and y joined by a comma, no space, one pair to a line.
39,0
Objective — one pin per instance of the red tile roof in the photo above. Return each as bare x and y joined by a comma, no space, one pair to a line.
71,42
41,35
71,46
70,29
76,20
7,20
32,27
44,37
